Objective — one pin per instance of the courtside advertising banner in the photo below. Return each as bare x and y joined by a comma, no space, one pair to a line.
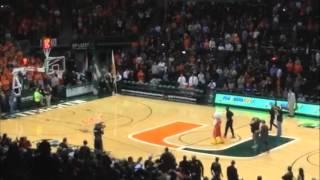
265,104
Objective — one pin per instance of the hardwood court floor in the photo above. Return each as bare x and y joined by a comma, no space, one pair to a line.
140,127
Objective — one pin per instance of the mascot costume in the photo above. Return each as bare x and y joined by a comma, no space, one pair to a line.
216,133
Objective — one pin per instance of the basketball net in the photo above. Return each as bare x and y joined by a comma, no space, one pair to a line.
46,52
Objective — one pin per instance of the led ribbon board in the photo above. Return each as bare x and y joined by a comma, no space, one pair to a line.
265,104
303,108
244,101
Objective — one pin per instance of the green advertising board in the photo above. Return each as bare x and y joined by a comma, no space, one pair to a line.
302,108
244,101
265,104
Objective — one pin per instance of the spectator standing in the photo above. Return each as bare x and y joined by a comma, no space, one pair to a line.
297,67
139,164
182,81
184,166
12,102
216,170
300,174
98,132
196,168
55,85
47,91
291,103
64,144
84,151
202,80
140,76
103,86
148,164
18,100
288,175
278,81
212,85
193,81
232,172
168,161
37,97
126,74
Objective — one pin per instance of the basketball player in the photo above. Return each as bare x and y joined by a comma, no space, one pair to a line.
37,98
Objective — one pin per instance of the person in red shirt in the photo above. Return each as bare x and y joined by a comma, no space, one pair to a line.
186,41
289,66
297,67
140,76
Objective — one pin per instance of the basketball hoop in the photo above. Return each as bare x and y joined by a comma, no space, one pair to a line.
47,44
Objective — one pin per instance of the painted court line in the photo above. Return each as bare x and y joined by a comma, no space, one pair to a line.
157,136
44,110
78,101
295,140
58,106
21,114
29,113
67,103
62,106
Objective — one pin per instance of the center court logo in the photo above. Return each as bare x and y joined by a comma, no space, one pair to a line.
159,136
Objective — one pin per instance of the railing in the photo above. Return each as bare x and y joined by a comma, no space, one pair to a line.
166,92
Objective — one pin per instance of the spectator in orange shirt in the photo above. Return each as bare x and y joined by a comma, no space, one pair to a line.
186,41
289,66
297,67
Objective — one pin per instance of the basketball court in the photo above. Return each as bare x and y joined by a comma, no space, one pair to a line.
143,127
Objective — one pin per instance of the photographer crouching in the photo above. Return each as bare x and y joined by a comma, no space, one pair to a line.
98,132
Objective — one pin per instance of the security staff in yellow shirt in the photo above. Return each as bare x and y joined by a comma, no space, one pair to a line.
37,97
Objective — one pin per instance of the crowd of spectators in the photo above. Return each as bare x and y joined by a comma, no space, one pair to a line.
30,19
18,160
264,48
255,47
34,19
99,19
11,57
